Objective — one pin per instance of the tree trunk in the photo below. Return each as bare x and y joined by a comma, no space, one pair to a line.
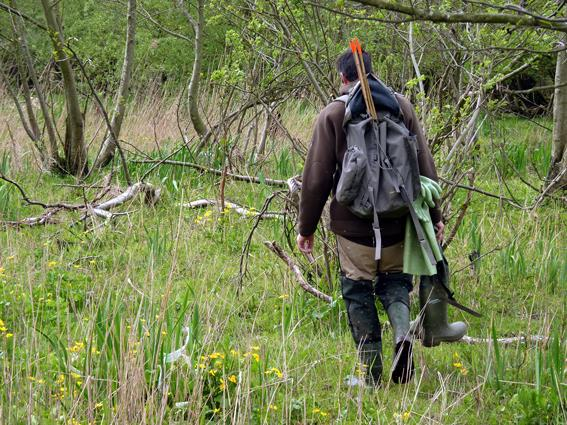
265,131
109,145
193,89
558,151
53,161
74,144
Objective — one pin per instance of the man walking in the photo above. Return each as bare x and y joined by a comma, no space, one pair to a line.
362,277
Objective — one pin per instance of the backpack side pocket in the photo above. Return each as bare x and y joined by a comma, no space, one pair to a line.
353,172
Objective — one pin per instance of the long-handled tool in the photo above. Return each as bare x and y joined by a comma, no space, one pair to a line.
361,70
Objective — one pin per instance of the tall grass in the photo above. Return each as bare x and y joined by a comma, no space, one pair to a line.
143,321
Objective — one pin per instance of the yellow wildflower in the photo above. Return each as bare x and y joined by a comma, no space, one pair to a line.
464,371
212,372
2,270
164,332
255,347
273,407
405,416
77,347
235,353
52,264
222,385
275,371
216,410
202,365
98,405
283,297
458,365
233,379
256,357
60,379
9,335
75,375
11,257
92,262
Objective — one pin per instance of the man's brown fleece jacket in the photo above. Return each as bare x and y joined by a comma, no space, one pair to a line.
323,168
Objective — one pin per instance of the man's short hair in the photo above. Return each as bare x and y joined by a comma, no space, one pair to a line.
347,66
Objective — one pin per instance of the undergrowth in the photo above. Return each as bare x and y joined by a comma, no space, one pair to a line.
144,320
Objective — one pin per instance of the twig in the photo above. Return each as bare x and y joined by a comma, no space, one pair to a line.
246,247
243,211
38,203
249,179
272,246
474,189
504,341
462,213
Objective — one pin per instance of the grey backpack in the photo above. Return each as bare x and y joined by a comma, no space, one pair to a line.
380,171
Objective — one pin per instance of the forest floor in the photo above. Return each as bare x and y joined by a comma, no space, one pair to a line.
91,318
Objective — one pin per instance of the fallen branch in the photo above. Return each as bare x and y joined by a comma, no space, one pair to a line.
239,177
45,218
272,246
505,341
243,211
89,208
151,196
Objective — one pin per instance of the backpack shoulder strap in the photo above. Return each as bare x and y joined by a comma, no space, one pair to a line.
342,99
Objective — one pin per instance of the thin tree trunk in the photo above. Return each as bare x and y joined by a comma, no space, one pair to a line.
265,131
109,144
194,83
53,160
417,73
558,151
27,126
74,144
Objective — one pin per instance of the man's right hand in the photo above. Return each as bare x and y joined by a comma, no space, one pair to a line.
305,243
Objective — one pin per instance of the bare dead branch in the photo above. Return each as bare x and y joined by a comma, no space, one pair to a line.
505,341
483,192
243,211
239,177
272,246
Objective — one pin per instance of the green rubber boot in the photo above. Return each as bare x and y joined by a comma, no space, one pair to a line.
402,364
358,296
435,327
393,290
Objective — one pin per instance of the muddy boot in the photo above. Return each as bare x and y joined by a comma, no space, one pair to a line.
358,296
434,327
393,290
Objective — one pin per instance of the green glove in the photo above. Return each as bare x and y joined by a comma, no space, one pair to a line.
415,259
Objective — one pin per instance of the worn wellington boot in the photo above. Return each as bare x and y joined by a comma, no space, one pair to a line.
393,290
402,365
435,328
358,296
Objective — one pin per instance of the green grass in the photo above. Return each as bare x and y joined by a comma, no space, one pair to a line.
90,317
